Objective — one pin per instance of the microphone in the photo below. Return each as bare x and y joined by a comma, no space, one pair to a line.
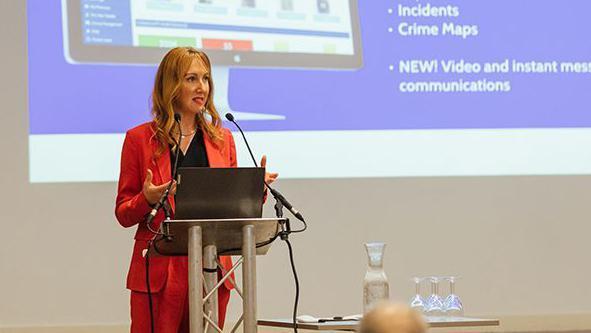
230,117
285,203
177,119
276,194
162,200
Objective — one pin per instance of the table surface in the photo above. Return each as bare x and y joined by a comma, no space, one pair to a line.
352,325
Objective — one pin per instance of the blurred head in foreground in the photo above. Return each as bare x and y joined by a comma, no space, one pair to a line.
392,318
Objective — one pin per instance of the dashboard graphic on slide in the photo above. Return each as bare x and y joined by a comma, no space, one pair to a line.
305,33
309,33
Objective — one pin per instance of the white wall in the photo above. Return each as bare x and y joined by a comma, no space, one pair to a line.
520,243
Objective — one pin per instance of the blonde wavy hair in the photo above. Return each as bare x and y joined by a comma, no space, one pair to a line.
167,88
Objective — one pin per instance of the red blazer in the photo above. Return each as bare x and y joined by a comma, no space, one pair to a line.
139,155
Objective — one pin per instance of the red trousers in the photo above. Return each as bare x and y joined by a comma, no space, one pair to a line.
171,304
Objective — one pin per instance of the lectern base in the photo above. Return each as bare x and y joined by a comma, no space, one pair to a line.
203,240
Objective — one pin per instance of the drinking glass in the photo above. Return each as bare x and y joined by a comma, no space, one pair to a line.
434,306
452,305
417,302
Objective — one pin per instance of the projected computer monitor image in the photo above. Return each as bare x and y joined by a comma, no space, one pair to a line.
252,33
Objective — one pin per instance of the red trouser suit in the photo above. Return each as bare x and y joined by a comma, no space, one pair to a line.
168,275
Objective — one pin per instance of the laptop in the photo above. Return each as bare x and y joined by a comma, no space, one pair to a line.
219,193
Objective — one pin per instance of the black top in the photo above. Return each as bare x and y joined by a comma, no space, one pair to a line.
196,154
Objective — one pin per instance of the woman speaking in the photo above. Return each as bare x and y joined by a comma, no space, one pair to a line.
183,85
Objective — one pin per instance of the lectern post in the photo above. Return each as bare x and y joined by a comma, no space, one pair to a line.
195,288
210,273
249,278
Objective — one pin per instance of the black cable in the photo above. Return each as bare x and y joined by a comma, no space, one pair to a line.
148,287
300,230
257,245
159,204
297,285
155,232
286,230
166,237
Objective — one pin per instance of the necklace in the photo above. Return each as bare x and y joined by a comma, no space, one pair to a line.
188,135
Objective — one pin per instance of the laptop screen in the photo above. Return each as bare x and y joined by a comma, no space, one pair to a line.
217,193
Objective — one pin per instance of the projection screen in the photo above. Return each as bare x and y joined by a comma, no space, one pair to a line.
325,88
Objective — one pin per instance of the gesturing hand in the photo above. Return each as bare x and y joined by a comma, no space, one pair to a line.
154,192
270,177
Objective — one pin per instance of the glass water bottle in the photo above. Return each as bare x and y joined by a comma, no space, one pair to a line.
375,283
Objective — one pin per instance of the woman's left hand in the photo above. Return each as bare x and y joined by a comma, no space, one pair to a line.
270,177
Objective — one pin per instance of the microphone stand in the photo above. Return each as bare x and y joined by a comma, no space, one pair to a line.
164,196
281,202
160,204
276,194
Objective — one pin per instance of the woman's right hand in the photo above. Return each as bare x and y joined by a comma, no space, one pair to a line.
152,192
